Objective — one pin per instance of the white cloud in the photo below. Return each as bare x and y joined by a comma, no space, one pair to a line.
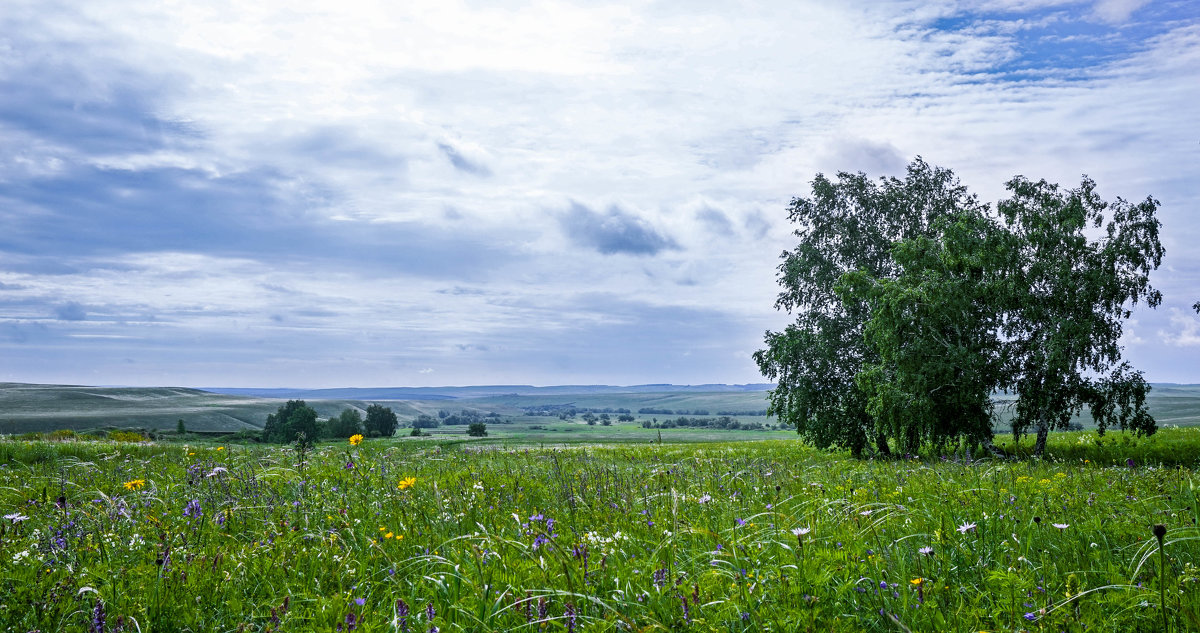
1184,332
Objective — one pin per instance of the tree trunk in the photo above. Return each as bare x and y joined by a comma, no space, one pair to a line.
1043,433
996,451
881,444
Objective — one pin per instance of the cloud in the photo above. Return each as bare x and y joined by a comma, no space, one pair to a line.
71,311
462,163
1117,11
875,158
1184,332
387,196
613,232
716,221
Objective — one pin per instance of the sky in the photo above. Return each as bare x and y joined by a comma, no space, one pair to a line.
373,193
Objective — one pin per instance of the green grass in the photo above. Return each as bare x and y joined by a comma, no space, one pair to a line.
498,536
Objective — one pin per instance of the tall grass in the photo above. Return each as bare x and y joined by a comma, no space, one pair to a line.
716,537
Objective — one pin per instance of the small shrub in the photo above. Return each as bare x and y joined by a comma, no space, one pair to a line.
126,436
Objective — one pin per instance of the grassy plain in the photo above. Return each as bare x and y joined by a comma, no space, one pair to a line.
498,534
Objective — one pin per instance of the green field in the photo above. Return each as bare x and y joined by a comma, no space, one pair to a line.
500,535
40,408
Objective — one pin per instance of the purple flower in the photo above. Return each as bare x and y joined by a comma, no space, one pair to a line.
1031,617
570,615
98,618
193,509
740,521
1130,463
402,614
360,601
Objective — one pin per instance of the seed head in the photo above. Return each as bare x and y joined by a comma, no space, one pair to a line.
1160,531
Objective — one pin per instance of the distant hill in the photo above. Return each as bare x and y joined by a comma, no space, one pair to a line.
28,407
485,391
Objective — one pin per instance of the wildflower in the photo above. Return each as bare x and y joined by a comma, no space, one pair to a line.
800,531
136,484
705,498
192,509
926,550
966,527
16,517
407,483
360,601
1130,463
740,521
569,612
402,614
356,439
1061,526
220,448
98,618
217,471
917,581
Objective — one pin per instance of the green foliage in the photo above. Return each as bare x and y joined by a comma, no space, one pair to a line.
477,429
1068,296
293,420
915,304
180,427
847,226
349,422
749,537
425,421
381,421
120,436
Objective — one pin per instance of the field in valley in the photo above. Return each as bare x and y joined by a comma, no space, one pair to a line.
42,408
494,534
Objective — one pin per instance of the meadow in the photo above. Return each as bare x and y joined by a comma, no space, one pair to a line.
422,534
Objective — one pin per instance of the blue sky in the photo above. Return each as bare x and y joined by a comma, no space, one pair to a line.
318,194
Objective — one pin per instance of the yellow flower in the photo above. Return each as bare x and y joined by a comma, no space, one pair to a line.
136,484
918,581
388,535
356,439
407,483
220,448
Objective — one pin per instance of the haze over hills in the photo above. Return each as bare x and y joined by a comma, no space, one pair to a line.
482,391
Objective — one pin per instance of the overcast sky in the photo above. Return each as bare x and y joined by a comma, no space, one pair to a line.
318,193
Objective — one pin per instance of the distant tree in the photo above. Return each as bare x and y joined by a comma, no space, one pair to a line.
477,429
348,423
292,419
426,421
589,417
625,417
179,427
381,420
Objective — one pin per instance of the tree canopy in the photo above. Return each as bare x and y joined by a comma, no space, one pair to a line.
294,420
381,420
914,304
